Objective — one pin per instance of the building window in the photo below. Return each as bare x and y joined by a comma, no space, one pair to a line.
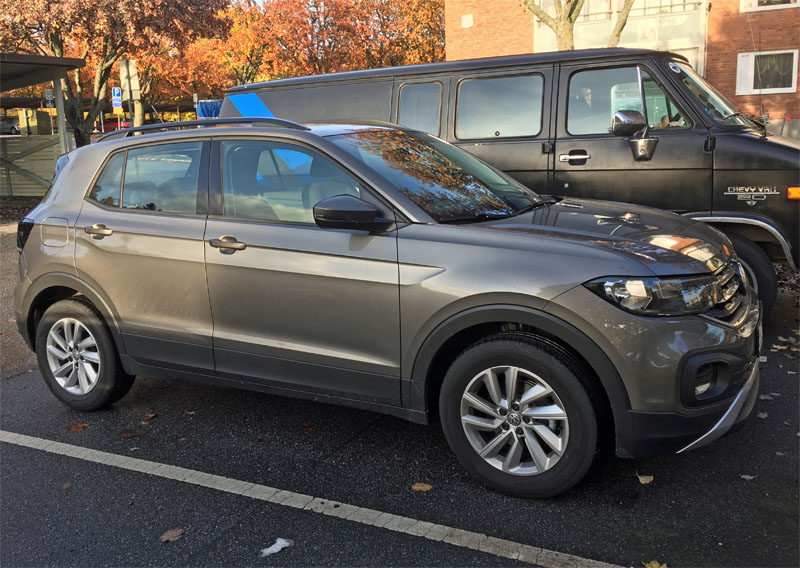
756,5
767,72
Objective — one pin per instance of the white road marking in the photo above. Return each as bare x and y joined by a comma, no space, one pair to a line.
371,517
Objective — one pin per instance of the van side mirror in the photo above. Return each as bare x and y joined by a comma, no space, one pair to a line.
627,123
349,212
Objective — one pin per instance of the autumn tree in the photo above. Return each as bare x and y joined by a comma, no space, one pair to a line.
100,31
565,14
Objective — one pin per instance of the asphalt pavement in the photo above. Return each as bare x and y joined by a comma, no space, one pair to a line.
57,510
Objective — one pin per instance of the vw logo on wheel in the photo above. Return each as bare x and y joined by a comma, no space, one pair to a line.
514,419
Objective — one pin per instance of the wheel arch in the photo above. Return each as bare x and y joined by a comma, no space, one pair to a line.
461,330
49,289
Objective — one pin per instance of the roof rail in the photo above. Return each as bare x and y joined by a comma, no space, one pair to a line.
258,121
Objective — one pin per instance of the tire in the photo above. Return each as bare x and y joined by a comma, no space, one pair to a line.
96,379
759,268
540,366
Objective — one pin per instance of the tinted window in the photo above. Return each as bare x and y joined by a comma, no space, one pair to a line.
420,105
662,112
106,188
162,178
446,182
274,181
594,97
500,107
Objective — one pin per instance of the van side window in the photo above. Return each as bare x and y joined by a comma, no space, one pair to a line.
274,181
420,106
107,187
162,178
499,107
594,97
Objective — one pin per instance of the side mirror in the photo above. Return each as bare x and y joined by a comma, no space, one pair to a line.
349,212
627,123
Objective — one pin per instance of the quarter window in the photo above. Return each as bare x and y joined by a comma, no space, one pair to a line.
594,97
162,178
106,189
420,106
274,181
499,107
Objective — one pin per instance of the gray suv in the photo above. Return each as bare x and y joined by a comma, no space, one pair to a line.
383,268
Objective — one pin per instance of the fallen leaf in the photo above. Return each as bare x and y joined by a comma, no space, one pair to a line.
422,487
775,394
781,338
654,564
134,449
189,412
78,427
172,535
762,415
12,320
764,397
67,485
791,372
793,348
748,477
780,453
644,480
762,359
126,432
149,416
779,347
307,427
787,423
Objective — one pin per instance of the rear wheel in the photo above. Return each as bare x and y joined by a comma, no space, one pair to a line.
77,357
759,269
517,412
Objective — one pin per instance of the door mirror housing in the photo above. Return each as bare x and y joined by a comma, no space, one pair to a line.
627,123
351,213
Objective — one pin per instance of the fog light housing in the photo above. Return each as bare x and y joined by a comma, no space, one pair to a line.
705,379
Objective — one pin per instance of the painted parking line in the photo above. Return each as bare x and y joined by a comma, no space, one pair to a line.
456,537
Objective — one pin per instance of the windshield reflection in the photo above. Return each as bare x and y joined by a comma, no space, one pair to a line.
447,183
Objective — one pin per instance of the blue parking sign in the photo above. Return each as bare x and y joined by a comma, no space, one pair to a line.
116,97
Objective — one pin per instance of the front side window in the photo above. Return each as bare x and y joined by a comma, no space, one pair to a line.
594,97
275,181
447,183
714,104
768,72
499,107
420,105
162,178
106,189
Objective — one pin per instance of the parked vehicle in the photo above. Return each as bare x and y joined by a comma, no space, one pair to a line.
386,269
9,125
548,120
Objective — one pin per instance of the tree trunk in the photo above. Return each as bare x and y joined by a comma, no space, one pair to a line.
622,19
565,36
138,112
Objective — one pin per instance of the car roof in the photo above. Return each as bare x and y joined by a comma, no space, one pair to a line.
460,65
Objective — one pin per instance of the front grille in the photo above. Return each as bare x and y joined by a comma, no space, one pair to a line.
733,290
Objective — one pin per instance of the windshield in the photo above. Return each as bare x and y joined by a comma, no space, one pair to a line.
715,105
447,183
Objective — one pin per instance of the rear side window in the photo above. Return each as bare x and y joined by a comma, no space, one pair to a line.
499,107
420,106
162,178
106,189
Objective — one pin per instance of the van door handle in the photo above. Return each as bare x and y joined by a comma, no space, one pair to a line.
227,244
571,157
98,231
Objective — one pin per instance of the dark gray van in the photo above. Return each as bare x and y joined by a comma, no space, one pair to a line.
627,125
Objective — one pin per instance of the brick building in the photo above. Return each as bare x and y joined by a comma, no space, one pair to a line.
748,49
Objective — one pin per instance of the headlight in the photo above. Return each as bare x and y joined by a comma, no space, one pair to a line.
659,296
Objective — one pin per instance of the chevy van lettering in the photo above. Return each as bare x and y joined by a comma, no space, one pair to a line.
752,189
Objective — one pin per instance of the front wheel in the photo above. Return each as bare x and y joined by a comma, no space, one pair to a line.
517,412
760,270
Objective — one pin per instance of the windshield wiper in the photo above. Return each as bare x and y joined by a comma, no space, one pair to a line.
530,207
474,217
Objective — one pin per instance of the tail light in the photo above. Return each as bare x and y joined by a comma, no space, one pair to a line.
24,229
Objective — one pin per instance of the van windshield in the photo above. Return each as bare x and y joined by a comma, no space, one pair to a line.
715,105
447,183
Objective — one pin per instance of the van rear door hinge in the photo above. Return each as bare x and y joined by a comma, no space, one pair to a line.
710,144
547,147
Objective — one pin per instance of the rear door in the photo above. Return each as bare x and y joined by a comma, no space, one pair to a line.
296,306
594,163
139,243
503,117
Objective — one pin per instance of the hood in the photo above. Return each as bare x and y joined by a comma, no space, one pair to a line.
665,242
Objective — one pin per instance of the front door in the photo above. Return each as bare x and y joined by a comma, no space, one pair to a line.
294,305
592,162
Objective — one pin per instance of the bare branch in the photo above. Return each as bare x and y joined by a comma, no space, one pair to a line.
622,19
537,11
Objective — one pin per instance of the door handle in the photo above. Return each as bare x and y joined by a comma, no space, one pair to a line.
227,244
98,231
571,157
